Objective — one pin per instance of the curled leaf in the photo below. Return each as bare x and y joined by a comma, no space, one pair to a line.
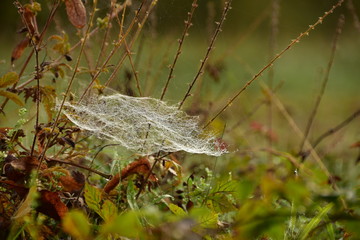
51,205
140,167
19,49
12,96
76,13
29,18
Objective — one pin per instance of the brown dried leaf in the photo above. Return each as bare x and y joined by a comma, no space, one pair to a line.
76,12
355,145
140,166
19,49
30,21
72,183
112,183
51,205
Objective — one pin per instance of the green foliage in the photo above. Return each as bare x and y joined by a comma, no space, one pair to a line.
76,224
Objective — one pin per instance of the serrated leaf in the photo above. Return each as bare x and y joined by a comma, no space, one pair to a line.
13,97
48,100
178,211
93,198
76,224
8,79
108,210
205,217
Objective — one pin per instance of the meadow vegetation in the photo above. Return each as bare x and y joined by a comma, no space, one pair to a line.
147,119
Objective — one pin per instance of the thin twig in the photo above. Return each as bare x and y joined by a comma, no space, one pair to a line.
107,176
351,7
27,61
106,35
133,68
207,54
188,24
42,155
140,26
292,43
113,51
324,83
274,29
333,130
297,130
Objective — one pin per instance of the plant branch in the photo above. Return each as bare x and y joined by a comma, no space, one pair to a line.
207,54
324,83
292,43
188,24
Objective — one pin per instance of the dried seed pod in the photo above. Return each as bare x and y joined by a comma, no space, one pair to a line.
76,12
19,49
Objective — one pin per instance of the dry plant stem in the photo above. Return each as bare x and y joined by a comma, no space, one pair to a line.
274,29
290,157
255,109
48,21
333,130
96,154
133,68
252,27
211,46
351,7
89,169
113,51
188,24
42,155
106,36
143,184
35,46
324,83
37,68
292,43
140,26
297,130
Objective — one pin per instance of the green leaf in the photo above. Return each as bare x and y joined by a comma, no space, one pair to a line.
205,217
131,196
76,224
178,211
315,221
108,210
8,79
12,96
93,198
126,225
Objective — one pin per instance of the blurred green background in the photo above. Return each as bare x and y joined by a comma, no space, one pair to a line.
242,49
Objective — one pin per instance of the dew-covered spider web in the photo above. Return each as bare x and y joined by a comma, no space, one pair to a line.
141,124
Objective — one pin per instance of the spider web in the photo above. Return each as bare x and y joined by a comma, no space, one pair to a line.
143,125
